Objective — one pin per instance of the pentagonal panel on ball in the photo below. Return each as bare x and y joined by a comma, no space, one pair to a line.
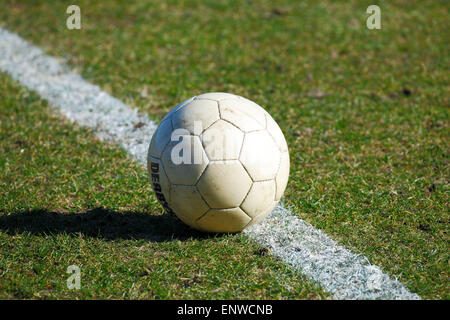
196,116
276,133
177,107
184,160
160,138
242,114
260,198
217,96
158,178
187,203
222,141
224,184
256,108
223,220
282,175
260,155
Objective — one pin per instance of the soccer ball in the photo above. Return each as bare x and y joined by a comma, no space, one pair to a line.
219,162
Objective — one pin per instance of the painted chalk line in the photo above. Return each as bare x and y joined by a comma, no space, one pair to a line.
344,274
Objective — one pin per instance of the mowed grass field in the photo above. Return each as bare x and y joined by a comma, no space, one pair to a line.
365,113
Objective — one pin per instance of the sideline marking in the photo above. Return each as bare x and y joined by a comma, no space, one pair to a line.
294,241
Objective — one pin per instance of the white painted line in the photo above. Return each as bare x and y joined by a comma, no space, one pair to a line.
294,241
75,98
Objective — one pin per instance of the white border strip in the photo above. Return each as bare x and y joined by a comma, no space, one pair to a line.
294,241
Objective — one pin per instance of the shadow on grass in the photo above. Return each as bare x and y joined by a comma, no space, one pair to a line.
100,223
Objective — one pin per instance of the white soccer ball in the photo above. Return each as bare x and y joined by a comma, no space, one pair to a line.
219,162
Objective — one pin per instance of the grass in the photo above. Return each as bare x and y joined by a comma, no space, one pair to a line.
365,112
68,199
